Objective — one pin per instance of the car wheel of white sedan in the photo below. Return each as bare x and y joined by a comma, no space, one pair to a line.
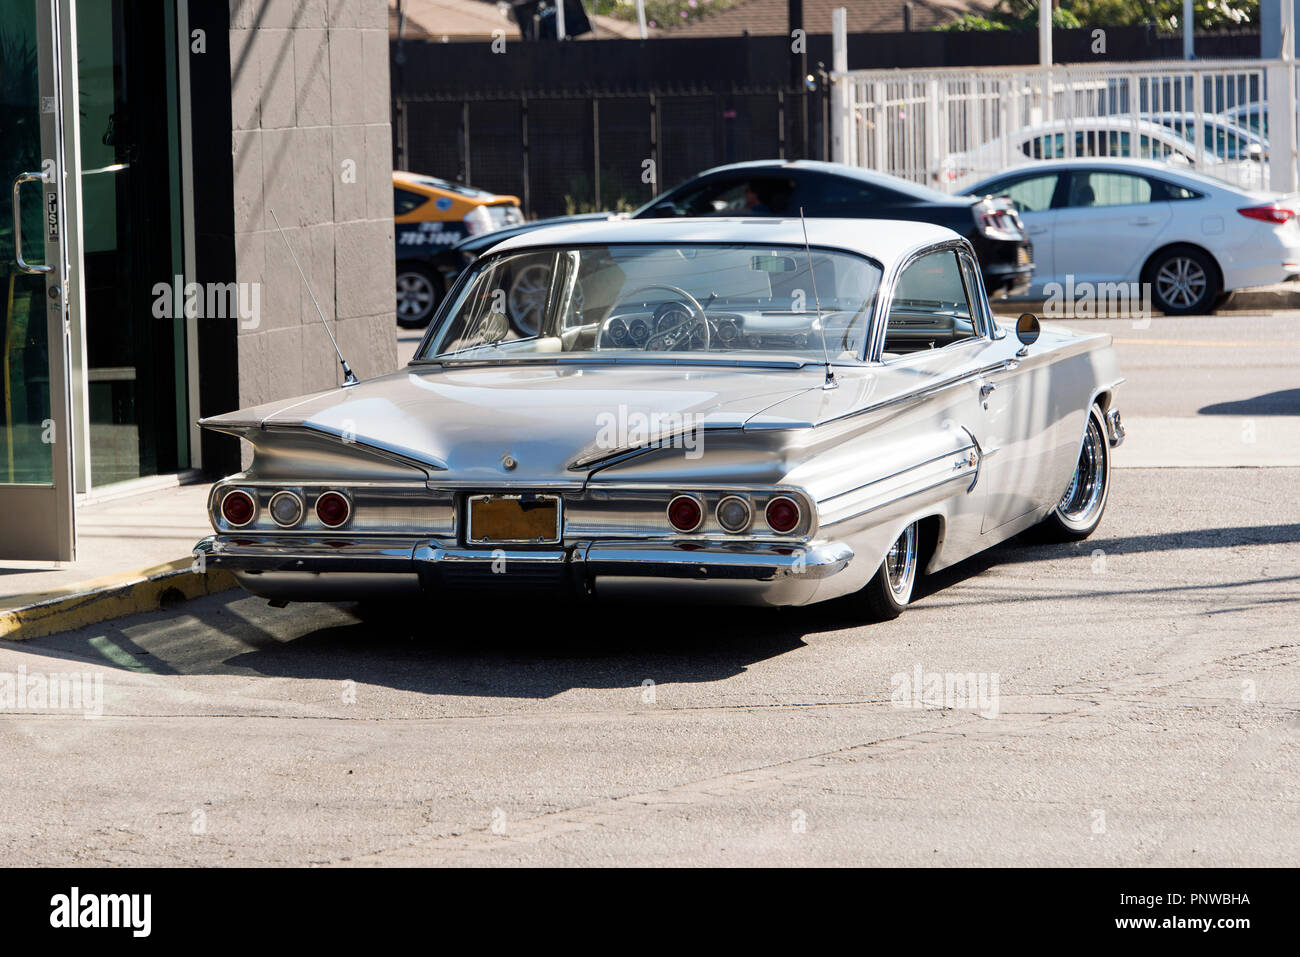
890,589
1184,281
1079,512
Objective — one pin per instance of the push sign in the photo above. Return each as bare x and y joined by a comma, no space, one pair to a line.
52,217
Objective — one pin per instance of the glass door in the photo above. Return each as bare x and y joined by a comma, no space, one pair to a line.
36,494
131,239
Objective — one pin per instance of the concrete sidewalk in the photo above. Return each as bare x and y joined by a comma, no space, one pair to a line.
133,555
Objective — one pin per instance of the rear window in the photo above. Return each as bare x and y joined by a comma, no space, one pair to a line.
1163,191
404,201
756,195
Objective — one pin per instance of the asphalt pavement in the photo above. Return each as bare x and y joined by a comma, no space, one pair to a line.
1134,699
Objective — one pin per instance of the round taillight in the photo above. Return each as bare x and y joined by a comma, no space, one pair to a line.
333,509
733,513
238,508
685,514
782,514
286,509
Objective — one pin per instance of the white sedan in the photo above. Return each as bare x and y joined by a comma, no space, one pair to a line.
1193,238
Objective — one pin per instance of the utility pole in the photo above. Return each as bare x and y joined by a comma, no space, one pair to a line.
799,66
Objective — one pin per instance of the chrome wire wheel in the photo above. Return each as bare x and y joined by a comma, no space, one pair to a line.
1181,282
890,590
1081,505
900,565
416,297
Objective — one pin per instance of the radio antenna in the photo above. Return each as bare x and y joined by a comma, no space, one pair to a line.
349,377
830,382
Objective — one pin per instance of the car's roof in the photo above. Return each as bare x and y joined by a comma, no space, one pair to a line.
1119,163
873,177
1078,162
432,185
883,240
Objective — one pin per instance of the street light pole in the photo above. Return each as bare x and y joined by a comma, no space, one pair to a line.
1044,32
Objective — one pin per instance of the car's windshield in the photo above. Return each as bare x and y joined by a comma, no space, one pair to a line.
616,301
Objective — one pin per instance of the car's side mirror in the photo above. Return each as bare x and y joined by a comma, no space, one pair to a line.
1027,330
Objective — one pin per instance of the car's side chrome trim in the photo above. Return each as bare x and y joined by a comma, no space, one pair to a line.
903,471
910,493
926,392
963,464
592,360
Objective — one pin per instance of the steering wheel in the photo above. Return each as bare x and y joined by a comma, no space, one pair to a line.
678,335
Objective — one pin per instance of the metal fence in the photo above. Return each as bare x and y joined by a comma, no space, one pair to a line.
948,128
564,153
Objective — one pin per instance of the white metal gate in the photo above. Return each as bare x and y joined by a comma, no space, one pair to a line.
948,128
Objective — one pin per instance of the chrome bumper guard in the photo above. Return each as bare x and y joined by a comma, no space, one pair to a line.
1115,428
580,564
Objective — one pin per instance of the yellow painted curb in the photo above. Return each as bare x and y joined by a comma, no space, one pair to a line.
88,603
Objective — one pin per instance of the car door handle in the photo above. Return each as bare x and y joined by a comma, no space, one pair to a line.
1037,230
1143,222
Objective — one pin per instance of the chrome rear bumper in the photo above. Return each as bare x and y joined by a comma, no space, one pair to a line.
317,570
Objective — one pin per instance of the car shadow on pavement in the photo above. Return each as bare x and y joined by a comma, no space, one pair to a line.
489,647
1228,537
538,650
522,648
1283,402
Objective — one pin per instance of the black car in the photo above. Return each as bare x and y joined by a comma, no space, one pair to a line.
777,188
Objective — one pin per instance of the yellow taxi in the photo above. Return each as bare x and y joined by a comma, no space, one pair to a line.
431,215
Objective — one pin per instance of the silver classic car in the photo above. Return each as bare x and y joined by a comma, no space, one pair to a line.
714,409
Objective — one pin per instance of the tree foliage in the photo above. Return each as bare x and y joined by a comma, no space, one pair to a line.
1164,14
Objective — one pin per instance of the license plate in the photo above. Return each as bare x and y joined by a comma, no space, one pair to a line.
523,519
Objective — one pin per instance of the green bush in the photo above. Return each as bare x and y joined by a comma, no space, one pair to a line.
1165,14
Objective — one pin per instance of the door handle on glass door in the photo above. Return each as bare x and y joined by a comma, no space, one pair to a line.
18,225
